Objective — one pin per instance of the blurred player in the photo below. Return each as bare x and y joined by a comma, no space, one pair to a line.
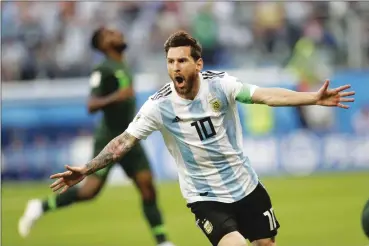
197,115
111,92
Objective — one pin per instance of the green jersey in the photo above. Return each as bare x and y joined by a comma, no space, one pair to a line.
108,77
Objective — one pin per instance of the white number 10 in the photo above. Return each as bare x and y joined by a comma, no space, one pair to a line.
271,218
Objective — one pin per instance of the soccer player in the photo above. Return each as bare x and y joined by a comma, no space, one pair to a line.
197,115
112,93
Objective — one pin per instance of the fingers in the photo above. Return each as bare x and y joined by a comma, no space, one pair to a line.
346,94
59,181
347,99
58,187
64,189
342,88
325,85
73,169
60,175
340,105
59,184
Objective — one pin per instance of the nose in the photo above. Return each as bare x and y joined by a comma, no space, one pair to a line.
177,67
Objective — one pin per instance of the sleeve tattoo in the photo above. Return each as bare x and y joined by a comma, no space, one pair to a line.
112,152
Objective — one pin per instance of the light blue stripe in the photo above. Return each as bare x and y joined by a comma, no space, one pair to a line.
216,157
230,126
197,178
229,123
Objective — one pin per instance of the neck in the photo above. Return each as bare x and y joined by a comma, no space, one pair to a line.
195,89
115,56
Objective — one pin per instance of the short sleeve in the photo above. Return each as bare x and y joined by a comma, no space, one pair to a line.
124,78
95,82
146,121
237,90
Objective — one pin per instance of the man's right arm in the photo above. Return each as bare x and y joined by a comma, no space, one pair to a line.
112,152
146,121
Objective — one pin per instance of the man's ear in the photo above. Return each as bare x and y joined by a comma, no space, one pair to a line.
199,64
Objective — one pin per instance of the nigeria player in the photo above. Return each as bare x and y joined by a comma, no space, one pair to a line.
197,115
112,93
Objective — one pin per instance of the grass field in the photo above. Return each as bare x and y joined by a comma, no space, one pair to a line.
320,210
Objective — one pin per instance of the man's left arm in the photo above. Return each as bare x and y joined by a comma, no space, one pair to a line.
324,97
274,97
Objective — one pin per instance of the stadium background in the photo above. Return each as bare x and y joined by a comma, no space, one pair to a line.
315,163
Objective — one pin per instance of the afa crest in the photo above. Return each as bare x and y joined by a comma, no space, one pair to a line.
137,118
215,104
208,227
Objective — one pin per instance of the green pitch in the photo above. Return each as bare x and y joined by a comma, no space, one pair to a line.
320,210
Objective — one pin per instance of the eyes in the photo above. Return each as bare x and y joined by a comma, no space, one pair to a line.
180,60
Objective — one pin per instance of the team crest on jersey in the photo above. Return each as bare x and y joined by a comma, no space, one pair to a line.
208,227
137,117
215,104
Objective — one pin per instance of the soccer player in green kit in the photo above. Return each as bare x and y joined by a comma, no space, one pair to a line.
111,92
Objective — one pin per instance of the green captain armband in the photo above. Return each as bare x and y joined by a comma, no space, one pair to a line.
244,96
123,79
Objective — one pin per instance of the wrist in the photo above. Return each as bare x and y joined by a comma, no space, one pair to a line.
314,98
86,171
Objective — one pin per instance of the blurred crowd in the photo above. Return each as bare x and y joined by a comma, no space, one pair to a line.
51,39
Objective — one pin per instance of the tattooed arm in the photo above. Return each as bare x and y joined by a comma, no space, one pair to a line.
112,152
141,127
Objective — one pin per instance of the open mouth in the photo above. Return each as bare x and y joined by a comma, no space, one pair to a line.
179,79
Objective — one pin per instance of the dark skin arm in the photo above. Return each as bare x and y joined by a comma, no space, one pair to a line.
96,103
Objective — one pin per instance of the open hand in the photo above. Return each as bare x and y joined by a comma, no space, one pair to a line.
67,179
334,97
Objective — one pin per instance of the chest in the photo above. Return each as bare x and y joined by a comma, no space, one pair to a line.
201,119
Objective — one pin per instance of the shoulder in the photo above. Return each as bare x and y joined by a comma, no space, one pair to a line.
211,75
100,66
162,94
105,68
217,78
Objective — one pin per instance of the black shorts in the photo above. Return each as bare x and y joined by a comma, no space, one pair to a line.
253,217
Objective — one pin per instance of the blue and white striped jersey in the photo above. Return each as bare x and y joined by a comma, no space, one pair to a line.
204,137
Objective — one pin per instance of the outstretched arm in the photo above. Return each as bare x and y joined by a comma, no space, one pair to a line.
112,152
324,97
146,121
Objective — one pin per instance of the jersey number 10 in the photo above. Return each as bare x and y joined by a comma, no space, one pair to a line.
203,131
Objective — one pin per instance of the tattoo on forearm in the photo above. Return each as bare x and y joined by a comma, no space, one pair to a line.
112,152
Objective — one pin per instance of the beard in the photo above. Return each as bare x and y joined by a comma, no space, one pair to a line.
120,47
183,85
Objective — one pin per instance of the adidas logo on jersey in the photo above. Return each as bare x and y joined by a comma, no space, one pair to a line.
176,119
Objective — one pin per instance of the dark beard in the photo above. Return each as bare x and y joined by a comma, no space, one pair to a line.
190,82
191,78
120,48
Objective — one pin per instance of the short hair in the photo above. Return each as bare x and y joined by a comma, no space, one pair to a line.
182,38
95,40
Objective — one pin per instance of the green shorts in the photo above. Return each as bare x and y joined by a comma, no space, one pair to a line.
132,163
